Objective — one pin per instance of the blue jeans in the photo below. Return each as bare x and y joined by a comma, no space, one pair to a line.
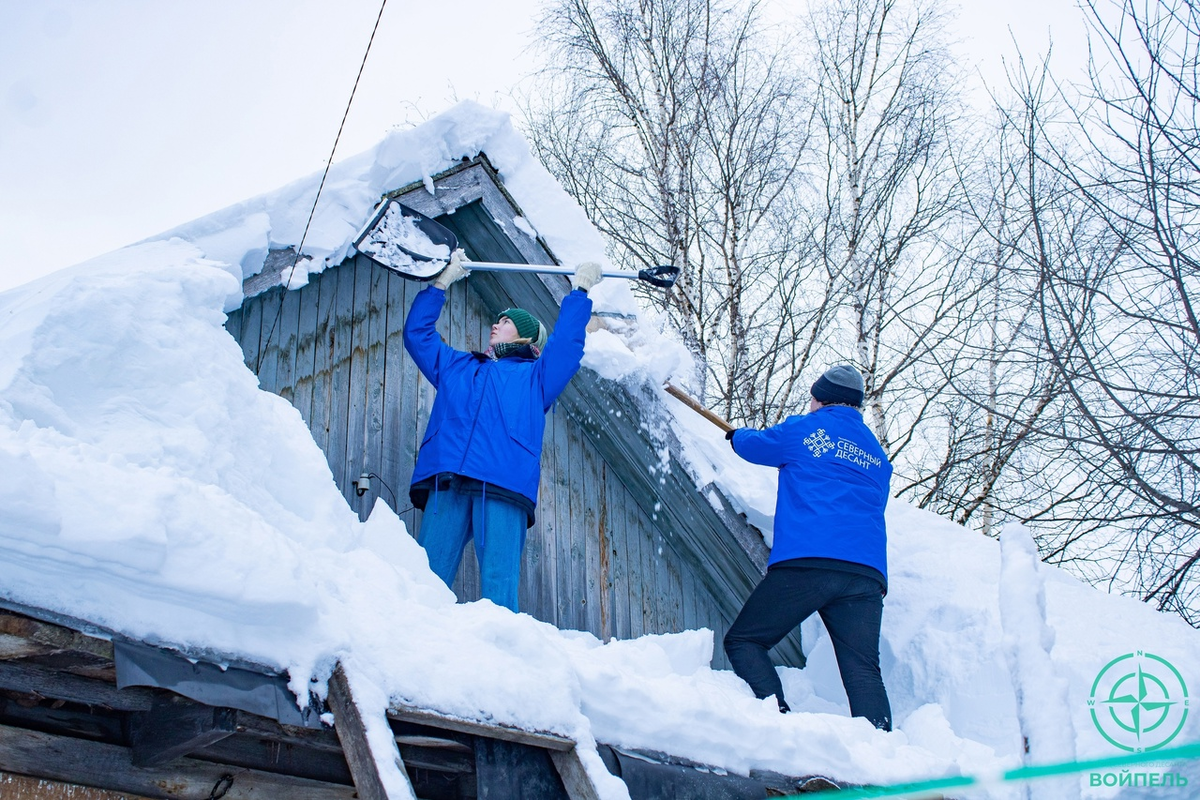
498,528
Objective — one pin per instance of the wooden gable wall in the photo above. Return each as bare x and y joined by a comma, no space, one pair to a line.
618,549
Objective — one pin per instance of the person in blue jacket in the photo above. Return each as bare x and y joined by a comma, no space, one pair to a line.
830,550
478,467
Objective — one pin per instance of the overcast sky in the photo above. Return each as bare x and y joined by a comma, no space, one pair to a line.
123,118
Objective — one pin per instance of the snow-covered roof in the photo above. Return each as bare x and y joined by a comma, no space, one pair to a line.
153,490
243,234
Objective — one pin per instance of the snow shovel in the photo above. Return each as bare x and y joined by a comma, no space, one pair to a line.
411,244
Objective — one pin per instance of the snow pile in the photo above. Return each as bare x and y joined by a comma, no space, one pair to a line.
965,680
243,234
153,489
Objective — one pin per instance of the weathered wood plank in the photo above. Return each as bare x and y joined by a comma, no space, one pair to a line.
615,518
21,787
342,335
377,319
608,516
251,332
323,388
574,775
271,304
542,576
662,584
398,402
170,730
289,330
272,755
577,539
107,766
635,534
352,731
30,679
421,716
233,324
22,636
564,532
591,497
306,349
278,268
357,385
675,593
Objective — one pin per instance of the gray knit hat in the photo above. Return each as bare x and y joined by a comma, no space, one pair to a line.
840,385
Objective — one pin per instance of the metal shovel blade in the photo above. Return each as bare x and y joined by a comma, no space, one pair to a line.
663,276
406,241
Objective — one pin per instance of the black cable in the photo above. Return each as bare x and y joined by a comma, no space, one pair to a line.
376,477
312,211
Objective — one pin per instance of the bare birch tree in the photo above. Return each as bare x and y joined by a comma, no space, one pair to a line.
1124,327
1102,241
680,126
890,210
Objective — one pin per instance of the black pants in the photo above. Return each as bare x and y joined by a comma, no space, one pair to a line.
851,607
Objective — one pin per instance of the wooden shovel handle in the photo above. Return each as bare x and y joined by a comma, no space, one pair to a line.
687,400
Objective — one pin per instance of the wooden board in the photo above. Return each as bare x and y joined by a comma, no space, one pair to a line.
548,741
106,766
20,787
352,732
306,350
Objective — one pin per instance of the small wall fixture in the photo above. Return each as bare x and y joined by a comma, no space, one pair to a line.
363,485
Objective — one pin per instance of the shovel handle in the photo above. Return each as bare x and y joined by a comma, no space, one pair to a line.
694,405
662,277
545,269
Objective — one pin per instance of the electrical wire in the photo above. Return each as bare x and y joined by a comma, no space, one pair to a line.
312,211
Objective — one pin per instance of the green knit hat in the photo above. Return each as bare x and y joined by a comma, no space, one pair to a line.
528,326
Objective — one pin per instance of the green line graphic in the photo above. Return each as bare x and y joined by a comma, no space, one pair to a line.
920,789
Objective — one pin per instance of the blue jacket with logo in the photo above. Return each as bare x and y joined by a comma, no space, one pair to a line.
489,415
833,486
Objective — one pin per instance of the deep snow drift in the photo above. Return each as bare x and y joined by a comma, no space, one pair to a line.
151,488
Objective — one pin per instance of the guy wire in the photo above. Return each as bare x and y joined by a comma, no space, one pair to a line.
312,211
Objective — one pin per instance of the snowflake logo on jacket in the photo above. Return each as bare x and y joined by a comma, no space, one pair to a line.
819,442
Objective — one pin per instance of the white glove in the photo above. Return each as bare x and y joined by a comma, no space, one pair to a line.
586,276
454,271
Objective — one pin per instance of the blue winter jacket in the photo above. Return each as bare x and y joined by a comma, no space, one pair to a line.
489,415
833,486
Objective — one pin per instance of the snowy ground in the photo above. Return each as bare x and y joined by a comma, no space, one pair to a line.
152,488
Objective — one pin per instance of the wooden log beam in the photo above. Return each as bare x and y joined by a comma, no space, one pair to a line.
172,729
352,731
89,722
108,766
20,787
21,636
574,775
547,741
30,679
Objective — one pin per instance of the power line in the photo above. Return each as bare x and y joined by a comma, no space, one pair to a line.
312,211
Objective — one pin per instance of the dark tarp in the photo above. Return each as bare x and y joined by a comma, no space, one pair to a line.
258,693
